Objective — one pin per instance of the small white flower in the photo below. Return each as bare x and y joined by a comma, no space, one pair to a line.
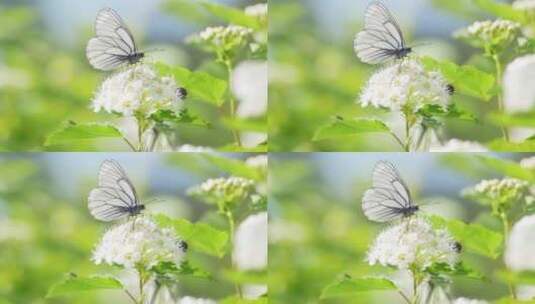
250,246
469,301
249,84
405,85
457,145
191,148
251,249
520,247
524,4
226,37
137,90
499,191
138,243
519,92
259,11
528,163
413,242
223,190
489,30
259,161
191,300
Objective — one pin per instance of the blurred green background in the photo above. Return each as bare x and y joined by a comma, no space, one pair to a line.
318,233
46,230
315,74
45,79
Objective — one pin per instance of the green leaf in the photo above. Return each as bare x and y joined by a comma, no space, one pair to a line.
466,79
459,270
473,237
199,236
231,15
346,127
502,10
200,85
235,148
518,278
452,111
78,284
505,146
523,119
246,277
348,287
169,271
203,11
81,137
248,124
506,167
234,167
238,300
165,117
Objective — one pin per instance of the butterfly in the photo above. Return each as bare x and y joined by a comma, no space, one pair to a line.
115,197
389,198
113,45
381,39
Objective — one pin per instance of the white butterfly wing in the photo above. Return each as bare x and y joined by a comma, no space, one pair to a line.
115,194
381,38
113,43
389,195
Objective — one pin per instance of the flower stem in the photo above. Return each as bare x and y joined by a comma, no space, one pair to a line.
129,144
404,296
130,296
235,134
501,106
505,222
231,224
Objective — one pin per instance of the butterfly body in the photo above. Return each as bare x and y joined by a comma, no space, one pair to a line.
135,58
402,53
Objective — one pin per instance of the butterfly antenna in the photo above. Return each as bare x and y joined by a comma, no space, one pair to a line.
155,200
154,50
420,44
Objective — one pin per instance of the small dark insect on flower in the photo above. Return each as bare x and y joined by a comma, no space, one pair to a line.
181,93
457,247
183,245
450,89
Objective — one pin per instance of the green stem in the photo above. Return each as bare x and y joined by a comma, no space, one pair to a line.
407,146
404,296
129,144
130,296
506,228
398,140
235,134
501,106
231,224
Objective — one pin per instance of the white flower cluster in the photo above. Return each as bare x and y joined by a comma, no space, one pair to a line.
406,85
138,243
413,243
137,90
457,145
528,163
520,246
226,37
494,33
469,301
524,4
223,190
259,161
259,11
501,191
191,300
